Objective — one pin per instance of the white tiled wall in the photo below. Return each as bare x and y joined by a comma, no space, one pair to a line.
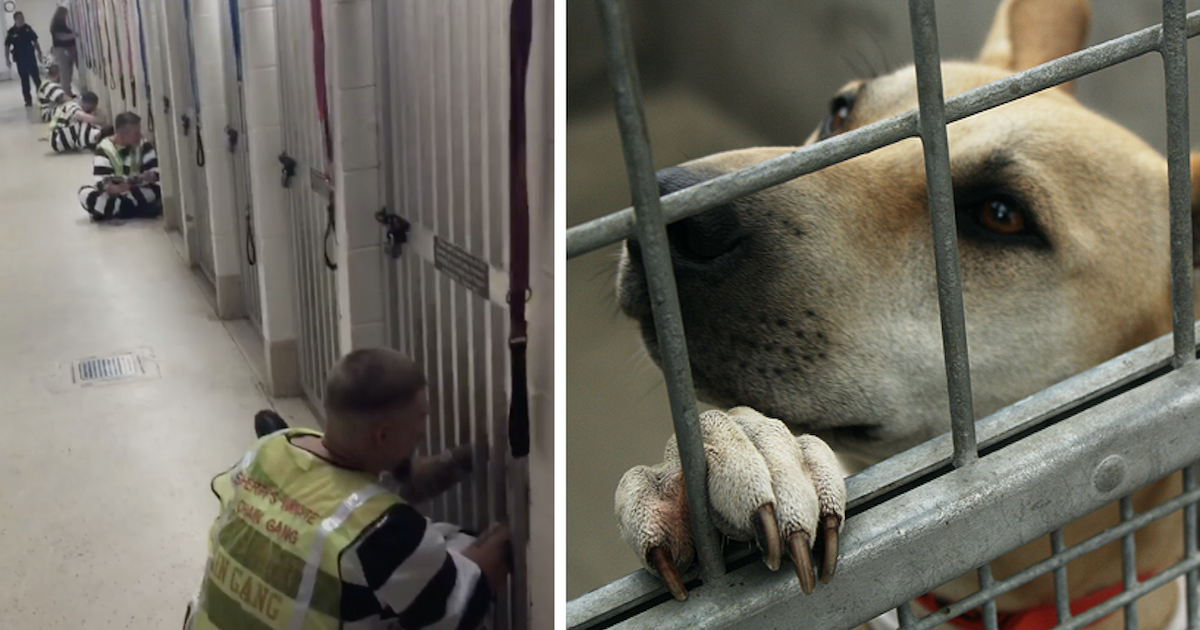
350,62
264,136
210,71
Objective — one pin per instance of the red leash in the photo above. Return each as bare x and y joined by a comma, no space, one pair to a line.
1041,617
521,35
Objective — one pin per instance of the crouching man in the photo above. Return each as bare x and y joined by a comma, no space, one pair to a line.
74,126
48,92
311,534
126,172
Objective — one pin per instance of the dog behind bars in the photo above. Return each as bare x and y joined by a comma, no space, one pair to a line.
811,309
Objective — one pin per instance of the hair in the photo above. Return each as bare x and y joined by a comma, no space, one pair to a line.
60,98
18,14
59,20
90,98
126,120
371,382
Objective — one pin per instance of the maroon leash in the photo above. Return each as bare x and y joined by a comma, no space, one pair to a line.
521,34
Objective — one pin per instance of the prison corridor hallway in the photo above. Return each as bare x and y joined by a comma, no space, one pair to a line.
105,501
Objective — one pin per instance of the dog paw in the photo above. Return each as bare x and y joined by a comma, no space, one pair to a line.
784,492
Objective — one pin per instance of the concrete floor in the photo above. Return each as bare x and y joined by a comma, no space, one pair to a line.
106,501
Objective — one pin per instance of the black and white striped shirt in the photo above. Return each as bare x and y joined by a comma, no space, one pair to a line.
408,572
69,111
48,92
102,167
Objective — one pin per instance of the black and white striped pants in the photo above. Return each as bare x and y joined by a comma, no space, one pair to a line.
141,202
74,136
47,112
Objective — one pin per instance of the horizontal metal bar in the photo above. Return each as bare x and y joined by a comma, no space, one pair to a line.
1013,493
932,117
917,465
1056,561
619,225
660,280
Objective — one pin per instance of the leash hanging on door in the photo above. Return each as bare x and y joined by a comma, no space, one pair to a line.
236,27
201,160
145,64
521,36
318,33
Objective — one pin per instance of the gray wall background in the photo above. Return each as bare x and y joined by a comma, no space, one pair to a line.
723,75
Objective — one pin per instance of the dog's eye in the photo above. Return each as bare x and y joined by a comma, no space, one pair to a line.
839,111
1002,216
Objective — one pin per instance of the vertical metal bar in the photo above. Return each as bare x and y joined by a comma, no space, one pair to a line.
989,607
1174,53
1062,595
660,276
905,614
1190,549
1129,564
945,244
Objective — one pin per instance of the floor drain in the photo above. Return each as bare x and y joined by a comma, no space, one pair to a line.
110,368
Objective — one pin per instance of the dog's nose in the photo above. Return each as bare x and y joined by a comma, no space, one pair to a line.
706,236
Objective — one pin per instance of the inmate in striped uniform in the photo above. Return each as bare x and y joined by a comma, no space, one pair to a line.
71,134
409,571
48,94
139,201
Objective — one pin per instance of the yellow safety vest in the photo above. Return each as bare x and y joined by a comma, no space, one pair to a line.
286,518
110,150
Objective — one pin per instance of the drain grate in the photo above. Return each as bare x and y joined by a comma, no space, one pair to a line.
108,368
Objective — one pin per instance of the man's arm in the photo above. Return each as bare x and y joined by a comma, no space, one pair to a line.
408,573
8,42
101,170
428,477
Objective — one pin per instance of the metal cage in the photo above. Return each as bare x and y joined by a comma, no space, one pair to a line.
1090,432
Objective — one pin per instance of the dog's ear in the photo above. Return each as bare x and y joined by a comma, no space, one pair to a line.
1027,33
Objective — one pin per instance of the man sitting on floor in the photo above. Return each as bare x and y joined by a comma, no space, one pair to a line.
126,171
48,92
74,126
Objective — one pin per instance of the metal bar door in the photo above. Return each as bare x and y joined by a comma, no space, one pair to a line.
443,112
316,293
239,147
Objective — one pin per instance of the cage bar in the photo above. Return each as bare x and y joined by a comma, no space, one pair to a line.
1062,592
1174,54
986,581
1190,547
660,279
1129,564
940,191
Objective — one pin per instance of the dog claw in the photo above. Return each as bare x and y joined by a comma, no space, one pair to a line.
768,536
802,558
829,565
661,559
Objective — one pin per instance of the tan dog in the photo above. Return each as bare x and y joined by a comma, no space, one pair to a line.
814,302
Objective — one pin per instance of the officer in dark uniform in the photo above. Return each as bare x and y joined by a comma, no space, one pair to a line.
21,45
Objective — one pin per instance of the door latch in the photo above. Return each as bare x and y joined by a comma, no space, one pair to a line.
397,228
289,169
